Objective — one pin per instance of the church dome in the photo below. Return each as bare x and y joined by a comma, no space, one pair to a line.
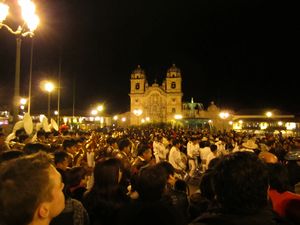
173,72
138,73
212,107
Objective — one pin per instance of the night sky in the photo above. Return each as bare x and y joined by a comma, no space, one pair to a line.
241,54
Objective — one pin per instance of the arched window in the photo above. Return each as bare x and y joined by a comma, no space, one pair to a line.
173,85
137,86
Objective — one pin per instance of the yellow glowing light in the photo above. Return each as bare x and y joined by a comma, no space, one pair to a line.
280,123
100,108
49,86
23,101
178,117
269,114
224,115
237,126
290,126
230,122
210,121
143,120
22,107
97,118
28,14
147,118
123,119
3,11
94,112
41,117
65,119
263,125
137,112
115,117
241,121
55,112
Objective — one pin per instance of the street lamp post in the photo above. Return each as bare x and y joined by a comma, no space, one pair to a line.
49,88
30,23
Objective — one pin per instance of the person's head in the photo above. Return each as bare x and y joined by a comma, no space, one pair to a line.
145,152
278,177
213,148
241,183
10,154
107,174
124,145
61,160
30,190
31,148
169,170
69,145
151,183
76,176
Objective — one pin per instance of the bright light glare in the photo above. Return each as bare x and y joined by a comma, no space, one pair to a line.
178,117
49,86
137,112
94,112
269,114
115,117
23,101
28,14
3,11
100,108
33,22
224,115
123,119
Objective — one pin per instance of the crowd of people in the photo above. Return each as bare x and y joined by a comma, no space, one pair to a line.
148,175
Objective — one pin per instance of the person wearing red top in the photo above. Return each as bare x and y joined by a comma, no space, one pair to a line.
279,193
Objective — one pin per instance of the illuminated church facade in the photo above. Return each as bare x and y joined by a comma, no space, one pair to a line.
162,103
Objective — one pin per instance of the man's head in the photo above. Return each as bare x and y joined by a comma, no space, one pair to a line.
61,160
241,183
30,191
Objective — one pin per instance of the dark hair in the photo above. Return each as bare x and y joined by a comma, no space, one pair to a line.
292,210
60,156
241,183
151,183
10,154
68,143
123,143
31,148
213,147
169,169
106,176
142,148
278,177
24,184
75,175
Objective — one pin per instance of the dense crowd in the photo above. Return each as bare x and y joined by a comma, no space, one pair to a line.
149,176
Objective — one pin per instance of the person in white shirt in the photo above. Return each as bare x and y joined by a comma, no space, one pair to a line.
213,154
176,159
204,152
159,150
193,151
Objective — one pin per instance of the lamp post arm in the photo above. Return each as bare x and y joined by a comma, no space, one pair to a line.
17,32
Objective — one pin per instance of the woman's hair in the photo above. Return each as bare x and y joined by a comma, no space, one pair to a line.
106,176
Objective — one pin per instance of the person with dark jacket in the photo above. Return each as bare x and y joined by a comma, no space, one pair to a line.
241,188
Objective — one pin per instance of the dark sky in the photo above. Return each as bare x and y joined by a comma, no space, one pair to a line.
238,53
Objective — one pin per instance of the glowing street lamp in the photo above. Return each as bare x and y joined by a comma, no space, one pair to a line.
94,112
100,108
31,21
269,114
